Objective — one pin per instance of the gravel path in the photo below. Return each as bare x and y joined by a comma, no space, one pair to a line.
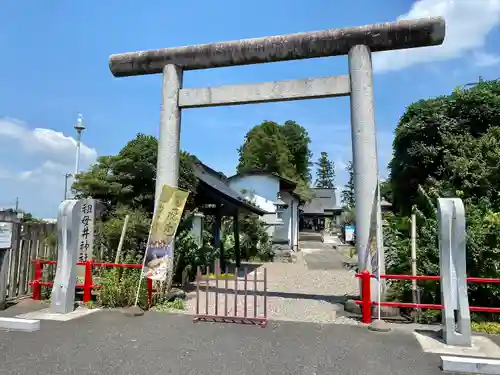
296,292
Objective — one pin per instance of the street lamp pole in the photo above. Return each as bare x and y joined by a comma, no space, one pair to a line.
79,127
66,176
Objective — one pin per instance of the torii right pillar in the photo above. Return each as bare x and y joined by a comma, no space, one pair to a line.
365,162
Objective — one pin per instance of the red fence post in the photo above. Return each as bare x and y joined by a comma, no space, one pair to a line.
150,291
87,283
366,298
36,287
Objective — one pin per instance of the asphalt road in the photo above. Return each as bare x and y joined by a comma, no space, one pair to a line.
109,343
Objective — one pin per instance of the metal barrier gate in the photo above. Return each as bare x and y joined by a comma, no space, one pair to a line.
230,302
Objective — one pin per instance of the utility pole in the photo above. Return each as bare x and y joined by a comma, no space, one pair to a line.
79,127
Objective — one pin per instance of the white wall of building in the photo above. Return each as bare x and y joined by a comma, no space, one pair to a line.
291,219
263,190
260,189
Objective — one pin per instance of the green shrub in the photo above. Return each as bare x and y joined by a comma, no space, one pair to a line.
120,286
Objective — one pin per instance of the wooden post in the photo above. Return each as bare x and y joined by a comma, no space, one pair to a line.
236,232
122,238
4,266
217,239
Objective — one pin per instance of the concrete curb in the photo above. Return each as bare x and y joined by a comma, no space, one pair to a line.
470,365
16,324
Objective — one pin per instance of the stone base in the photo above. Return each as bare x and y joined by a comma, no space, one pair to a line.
16,324
482,346
283,254
468,365
385,312
379,326
133,311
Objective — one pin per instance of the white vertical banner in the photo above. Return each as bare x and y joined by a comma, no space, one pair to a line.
6,235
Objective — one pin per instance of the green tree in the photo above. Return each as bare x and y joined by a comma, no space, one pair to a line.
347,194
386,190
281,149
265,149
434,134
325,173
129,178
125,183
448,147
297,141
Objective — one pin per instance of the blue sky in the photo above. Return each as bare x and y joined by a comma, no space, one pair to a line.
55,64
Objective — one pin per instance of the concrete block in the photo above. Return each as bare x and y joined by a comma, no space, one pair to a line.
47,314
468,365
482,346
15,324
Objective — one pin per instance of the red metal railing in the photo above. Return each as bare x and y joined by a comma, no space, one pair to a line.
367,303
88,284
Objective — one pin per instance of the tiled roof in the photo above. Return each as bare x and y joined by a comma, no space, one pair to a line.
324,200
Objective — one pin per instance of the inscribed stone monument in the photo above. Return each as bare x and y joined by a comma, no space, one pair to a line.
69,238
456,315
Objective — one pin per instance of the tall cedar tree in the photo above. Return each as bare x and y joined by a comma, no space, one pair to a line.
325,172
347,194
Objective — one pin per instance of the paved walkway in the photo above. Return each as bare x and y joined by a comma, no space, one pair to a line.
321,256
108,343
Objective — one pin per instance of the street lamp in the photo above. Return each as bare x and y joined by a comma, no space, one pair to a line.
79,130
66,176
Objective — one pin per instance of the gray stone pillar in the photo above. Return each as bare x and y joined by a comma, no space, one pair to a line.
170,130
364,150
68,224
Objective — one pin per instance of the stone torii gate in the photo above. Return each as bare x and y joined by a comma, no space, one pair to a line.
356,42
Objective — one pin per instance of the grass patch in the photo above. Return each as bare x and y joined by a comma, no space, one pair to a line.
90,305
352,252
221,276
177,304
491,328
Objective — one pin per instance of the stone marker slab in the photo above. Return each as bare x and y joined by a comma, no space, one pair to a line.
482,346
16,324
453,271
46,314
63,291
469,365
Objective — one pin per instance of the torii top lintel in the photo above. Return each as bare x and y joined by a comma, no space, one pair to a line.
334,42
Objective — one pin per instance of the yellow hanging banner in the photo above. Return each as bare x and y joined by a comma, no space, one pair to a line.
166,219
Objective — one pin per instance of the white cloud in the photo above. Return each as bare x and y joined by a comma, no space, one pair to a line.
46,141
38,161
468,22
485,59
